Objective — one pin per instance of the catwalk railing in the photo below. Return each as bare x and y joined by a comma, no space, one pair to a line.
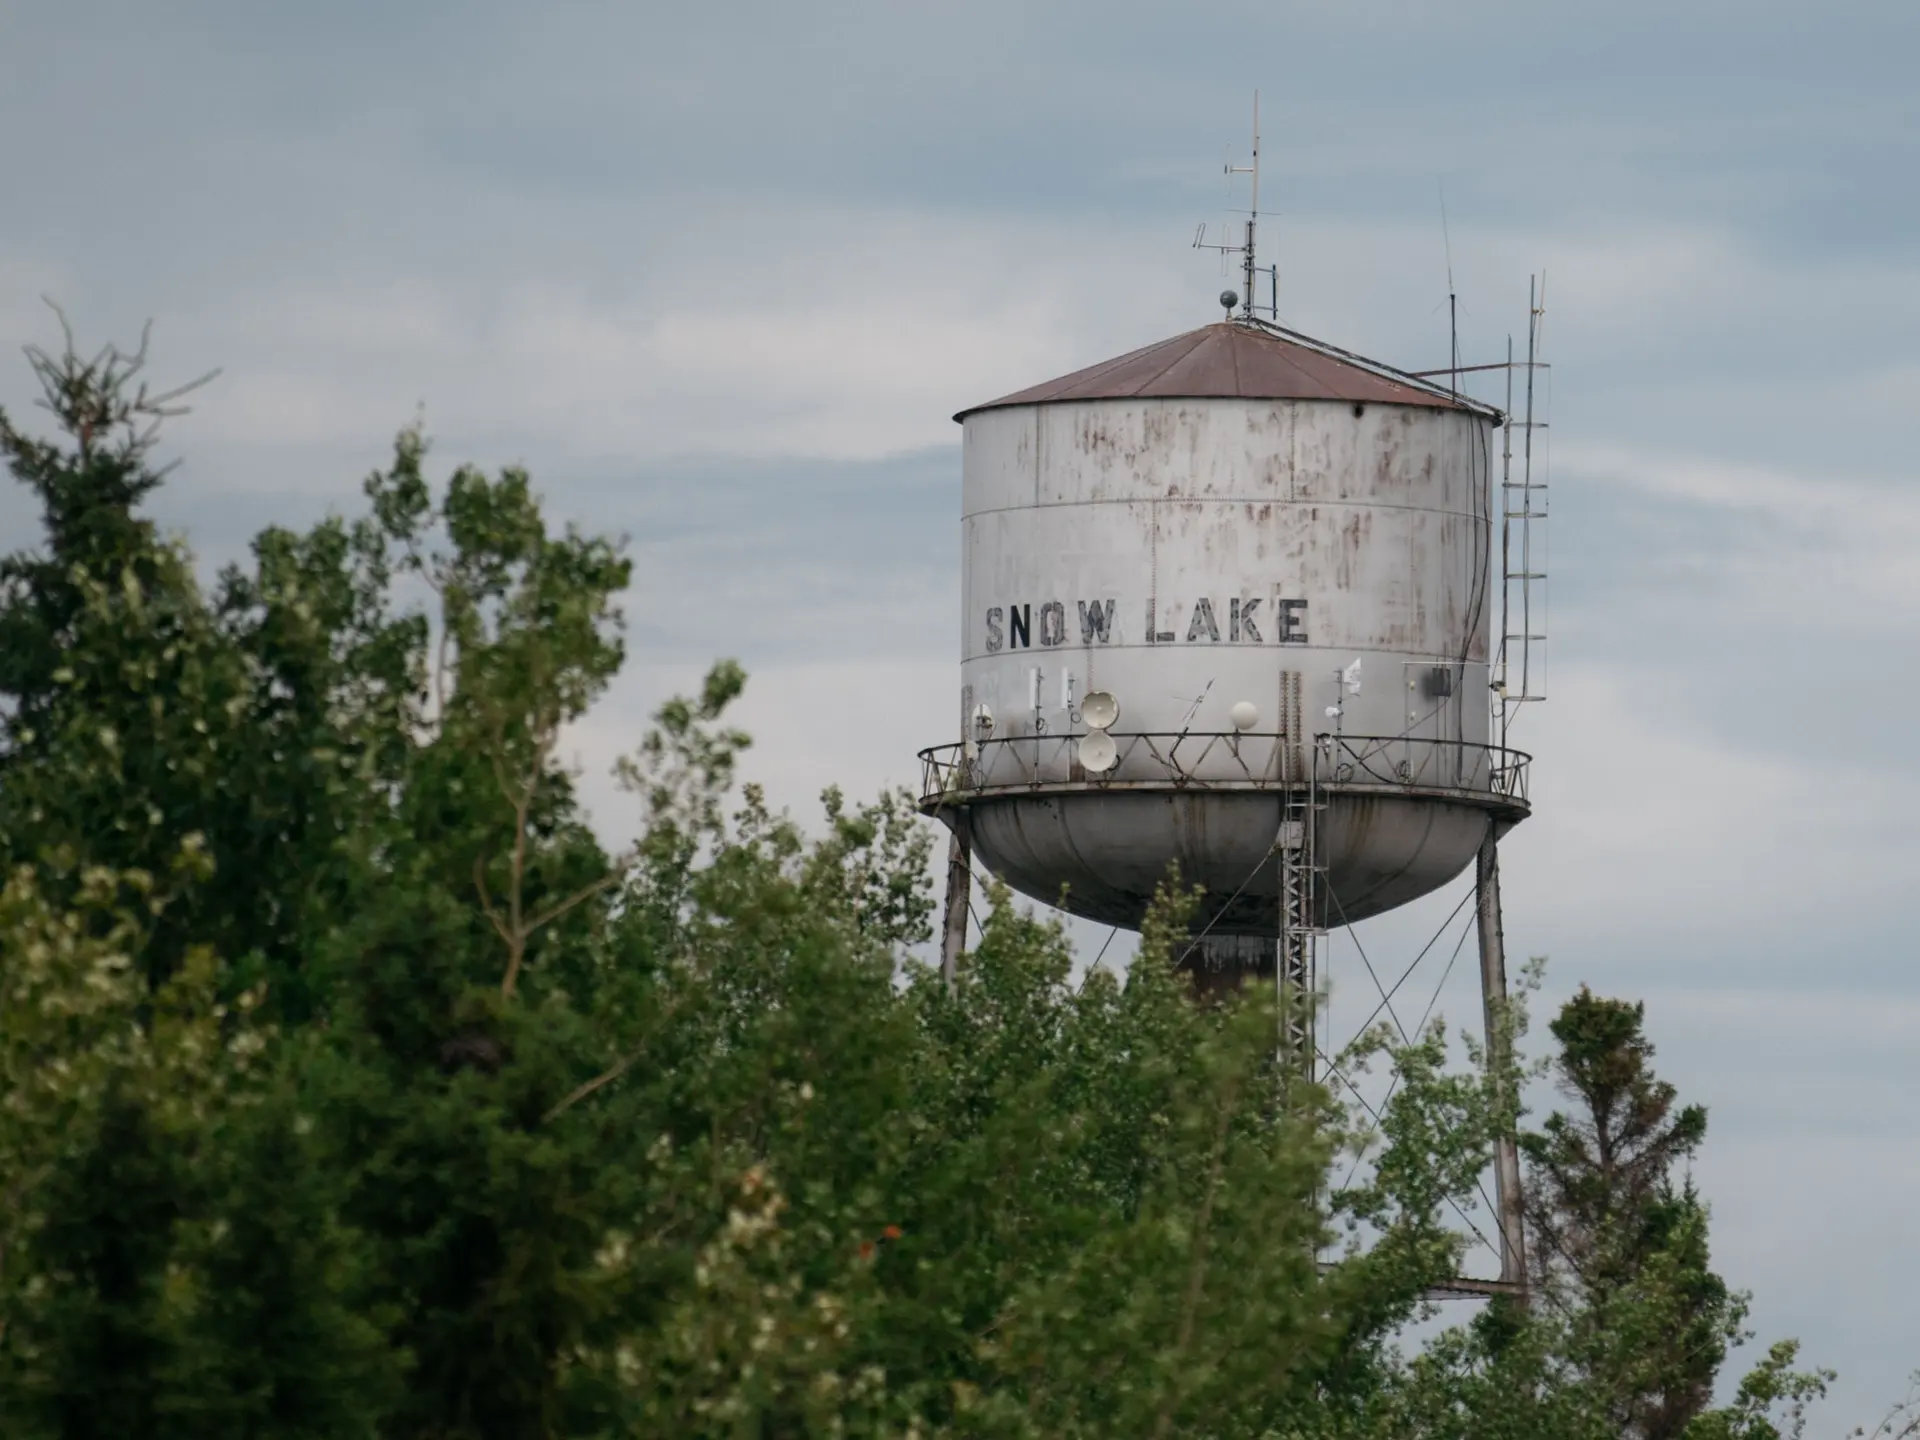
1231,760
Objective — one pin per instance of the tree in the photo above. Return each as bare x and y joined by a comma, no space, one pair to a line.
1602,1175
1617,1235
353,1087
264,719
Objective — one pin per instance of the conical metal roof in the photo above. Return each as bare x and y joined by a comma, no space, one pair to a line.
1238,360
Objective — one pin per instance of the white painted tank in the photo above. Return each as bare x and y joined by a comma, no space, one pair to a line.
1276,558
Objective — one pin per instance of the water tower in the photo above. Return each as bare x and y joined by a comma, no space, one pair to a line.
1228,604
1276,562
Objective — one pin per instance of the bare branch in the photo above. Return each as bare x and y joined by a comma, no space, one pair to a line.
600,1081
605,1077
66,329
496,756
584,893
90,396
440,672
517,942
162,404
1902,1422
486,900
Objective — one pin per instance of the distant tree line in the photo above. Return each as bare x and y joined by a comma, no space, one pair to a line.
349,1087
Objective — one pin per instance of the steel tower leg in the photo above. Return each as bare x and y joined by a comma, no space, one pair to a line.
1493,994
1296,936
953,935
1299,927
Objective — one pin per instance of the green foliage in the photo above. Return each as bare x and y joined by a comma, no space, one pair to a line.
352,1088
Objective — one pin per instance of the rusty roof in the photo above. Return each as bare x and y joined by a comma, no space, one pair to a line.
1235,360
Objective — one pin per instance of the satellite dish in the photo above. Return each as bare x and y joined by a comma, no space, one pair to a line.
1350,677
1245,715
1099,710
982,721
1098,753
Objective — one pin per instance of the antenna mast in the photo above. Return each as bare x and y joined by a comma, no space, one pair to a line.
1453,301
1246,250
1253,213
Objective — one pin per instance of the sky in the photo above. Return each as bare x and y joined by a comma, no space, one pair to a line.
721,274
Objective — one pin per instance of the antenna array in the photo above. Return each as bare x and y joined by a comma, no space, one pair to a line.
1247,249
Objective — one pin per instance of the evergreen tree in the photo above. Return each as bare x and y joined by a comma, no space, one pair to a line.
135,709
1617,1233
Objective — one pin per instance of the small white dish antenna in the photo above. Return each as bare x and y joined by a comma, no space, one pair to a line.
1350,677
1245,715
1098,754
1099,710
982,721
1333,712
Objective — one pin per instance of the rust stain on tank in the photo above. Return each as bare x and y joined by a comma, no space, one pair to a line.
1355,531
1190,822
1095,437
1161,426
1259,518
1361,816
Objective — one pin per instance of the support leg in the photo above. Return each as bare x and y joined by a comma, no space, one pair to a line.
953,936
1493,994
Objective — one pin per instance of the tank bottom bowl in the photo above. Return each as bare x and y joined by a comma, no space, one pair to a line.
1101,855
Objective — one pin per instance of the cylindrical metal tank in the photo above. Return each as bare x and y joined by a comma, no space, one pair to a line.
1276,557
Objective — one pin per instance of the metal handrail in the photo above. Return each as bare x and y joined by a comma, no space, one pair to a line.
1223,760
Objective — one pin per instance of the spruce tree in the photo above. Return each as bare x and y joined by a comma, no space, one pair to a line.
1618,1228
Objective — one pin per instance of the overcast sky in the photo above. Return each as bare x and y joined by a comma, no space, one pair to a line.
720,274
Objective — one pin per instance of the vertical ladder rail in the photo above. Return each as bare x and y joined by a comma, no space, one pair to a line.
1297,954
1520,673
